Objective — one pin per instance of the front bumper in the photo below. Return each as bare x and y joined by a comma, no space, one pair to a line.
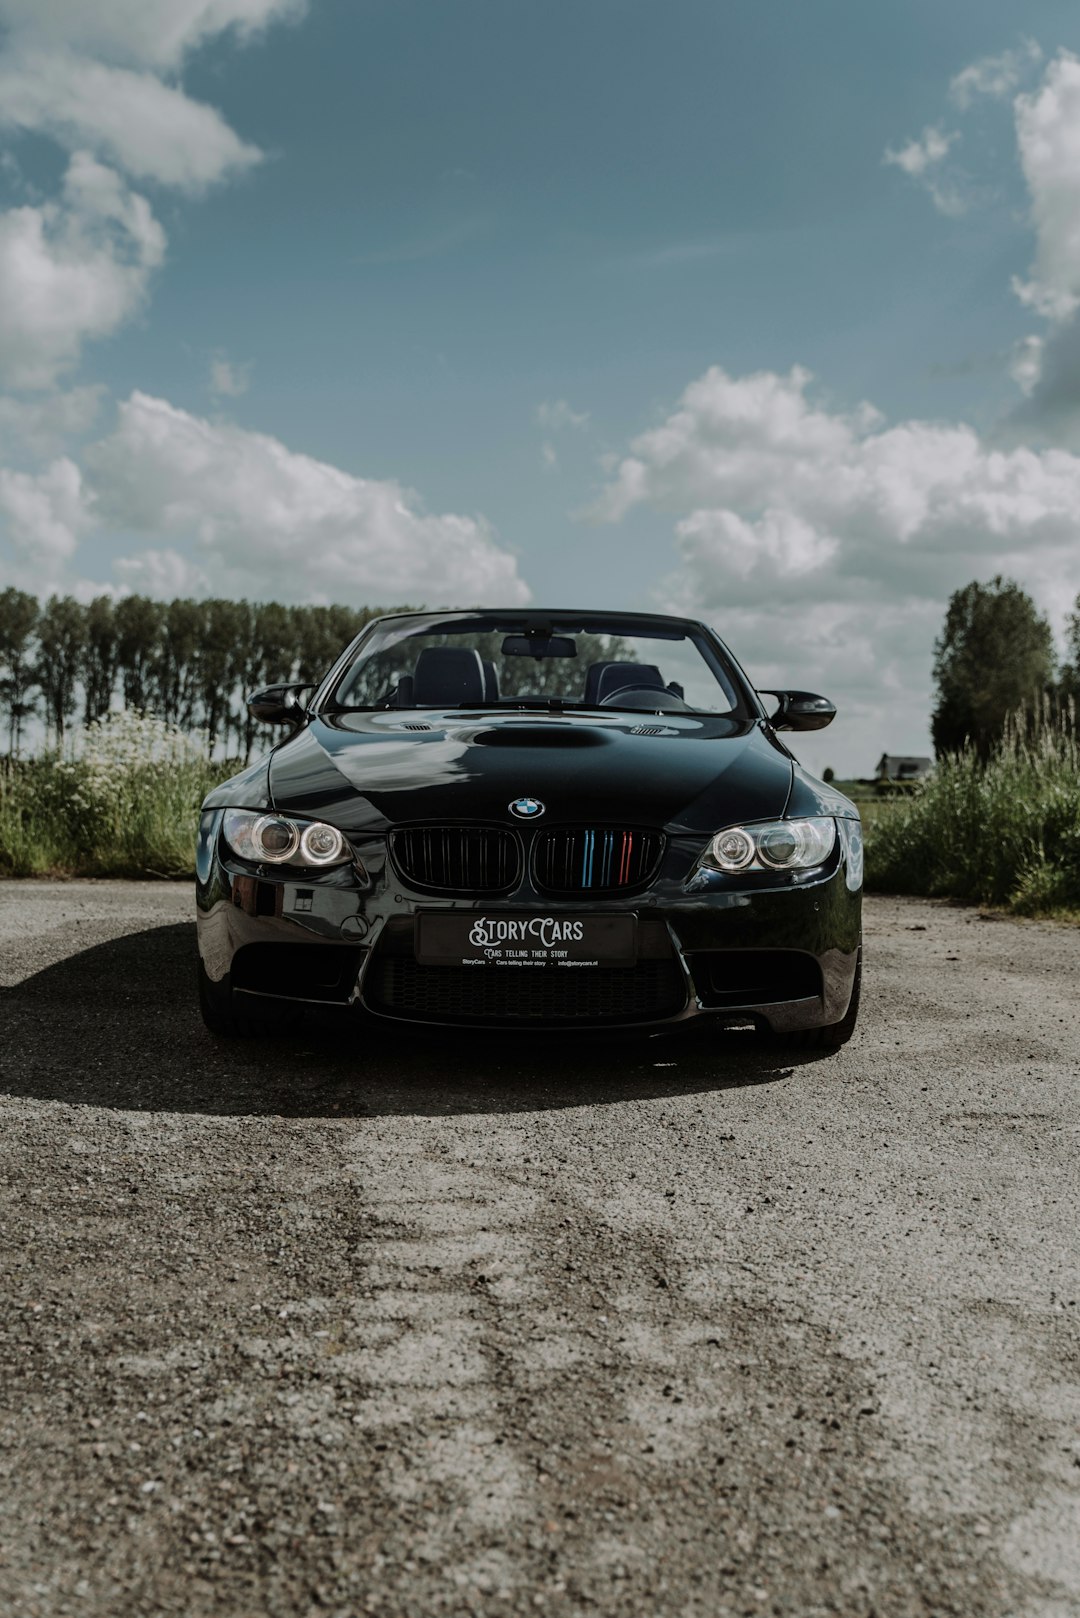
782,955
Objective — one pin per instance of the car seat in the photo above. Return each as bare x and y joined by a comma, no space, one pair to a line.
621,676
447,675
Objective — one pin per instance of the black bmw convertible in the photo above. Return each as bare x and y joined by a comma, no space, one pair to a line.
535,819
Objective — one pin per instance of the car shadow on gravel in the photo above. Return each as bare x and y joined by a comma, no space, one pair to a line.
117,1025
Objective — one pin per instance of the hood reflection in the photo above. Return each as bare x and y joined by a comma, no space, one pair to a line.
367,772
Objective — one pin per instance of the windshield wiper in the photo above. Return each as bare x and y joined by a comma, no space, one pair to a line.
548,704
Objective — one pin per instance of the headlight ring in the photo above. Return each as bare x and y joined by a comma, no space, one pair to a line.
275,839
322,845
734,849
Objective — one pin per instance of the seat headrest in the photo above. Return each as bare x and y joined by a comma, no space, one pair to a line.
592,682
620,676
446,675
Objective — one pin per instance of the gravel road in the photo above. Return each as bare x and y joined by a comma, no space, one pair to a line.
334,1326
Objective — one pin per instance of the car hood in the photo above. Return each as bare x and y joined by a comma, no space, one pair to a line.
366,772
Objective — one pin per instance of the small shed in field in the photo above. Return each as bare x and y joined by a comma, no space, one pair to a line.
896,767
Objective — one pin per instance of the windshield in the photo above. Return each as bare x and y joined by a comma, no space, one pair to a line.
482,662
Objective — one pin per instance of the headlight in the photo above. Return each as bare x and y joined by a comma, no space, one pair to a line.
272,839
772,845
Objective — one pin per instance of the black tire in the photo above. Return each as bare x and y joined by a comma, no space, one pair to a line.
835,1034
225,1020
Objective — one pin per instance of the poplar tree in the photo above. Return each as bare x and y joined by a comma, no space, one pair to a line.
19,613
174,671
61,637
139,623
100,659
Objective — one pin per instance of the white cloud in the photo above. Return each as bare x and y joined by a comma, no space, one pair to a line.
88,73
163,574
859,656
729,437
1048,135
72,270
922,159
556,415
1047,366
921,154
216,507
828,543
154,33
150,129
42,516
994,76
246,515
784,494
927,160
228,380
46,423
1026,363
780,544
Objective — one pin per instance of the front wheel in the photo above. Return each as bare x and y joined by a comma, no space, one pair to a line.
225,1020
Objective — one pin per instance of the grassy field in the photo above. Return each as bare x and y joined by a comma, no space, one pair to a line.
1004,831
122,801
872,805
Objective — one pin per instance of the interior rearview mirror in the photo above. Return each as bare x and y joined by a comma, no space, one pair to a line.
539,646
800,710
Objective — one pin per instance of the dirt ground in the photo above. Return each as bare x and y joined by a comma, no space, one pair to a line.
341,1325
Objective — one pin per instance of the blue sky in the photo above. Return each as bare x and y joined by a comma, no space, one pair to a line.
400,301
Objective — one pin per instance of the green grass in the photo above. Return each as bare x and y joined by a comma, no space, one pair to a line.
123,801
857,791
1004,831
871,804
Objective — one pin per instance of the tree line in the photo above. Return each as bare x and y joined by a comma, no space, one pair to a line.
192,662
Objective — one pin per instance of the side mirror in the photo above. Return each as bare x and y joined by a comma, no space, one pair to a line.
278,704
801,710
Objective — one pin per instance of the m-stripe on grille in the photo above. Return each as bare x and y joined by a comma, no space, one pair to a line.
596,859
474,859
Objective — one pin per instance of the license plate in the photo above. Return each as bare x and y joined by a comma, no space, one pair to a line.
525,940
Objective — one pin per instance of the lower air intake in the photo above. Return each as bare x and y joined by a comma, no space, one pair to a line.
754,977
503,996
325,972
